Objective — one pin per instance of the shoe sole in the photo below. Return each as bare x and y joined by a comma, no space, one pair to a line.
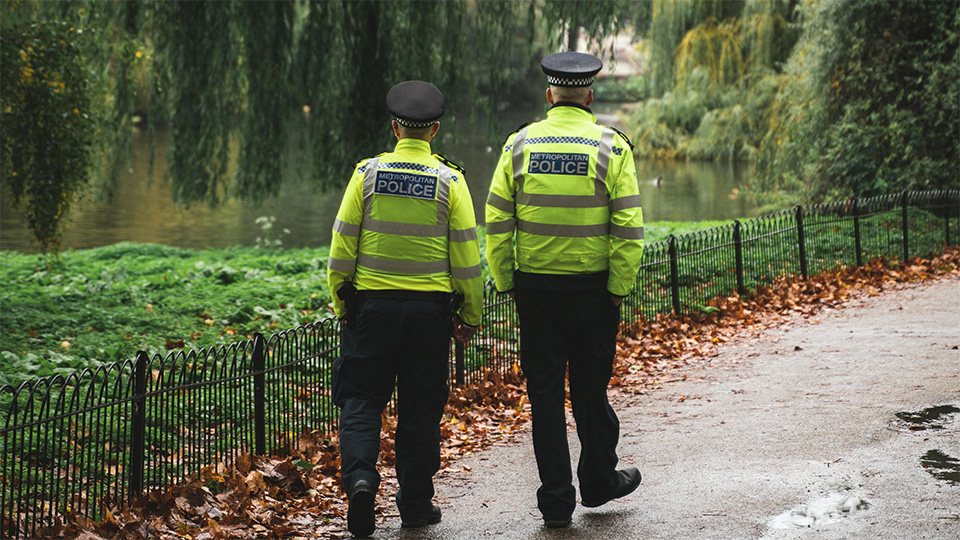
361,520
594,504
419,523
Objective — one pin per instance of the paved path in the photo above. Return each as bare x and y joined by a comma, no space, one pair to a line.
798,439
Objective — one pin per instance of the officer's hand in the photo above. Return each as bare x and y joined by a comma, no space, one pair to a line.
462,331
616,300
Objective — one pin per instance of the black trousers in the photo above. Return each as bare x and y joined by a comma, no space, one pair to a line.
404,342
575,330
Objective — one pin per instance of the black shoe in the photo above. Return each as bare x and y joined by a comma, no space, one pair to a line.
556,523
361,519
430,517
627,482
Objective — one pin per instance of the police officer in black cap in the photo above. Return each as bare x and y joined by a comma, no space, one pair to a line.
564,238
404,271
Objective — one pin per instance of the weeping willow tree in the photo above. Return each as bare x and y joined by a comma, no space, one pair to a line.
596,18
238,83
65,77
829,98
869,104
708,63
243,72
670,23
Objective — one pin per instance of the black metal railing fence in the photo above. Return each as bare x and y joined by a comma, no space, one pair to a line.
97,438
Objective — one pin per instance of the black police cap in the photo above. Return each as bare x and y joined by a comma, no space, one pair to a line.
571,68
415,104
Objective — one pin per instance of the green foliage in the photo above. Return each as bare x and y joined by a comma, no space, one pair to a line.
102,305
239,81
866,102
349,54
48,123
711,64
870,103
672,22
715,47
594,17
198,47
631,89
263,71
67,104
267,40
663,126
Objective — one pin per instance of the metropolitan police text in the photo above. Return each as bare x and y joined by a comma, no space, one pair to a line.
559,163
406,184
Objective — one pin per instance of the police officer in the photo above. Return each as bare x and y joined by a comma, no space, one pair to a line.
564,238
404,247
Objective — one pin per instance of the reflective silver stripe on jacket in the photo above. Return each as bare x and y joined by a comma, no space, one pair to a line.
518,158
469,272
347,266
500,203
369,183
403,267
598,199
443,196
346,229
500,227
463,235
623,203
603,155
626,233
567,231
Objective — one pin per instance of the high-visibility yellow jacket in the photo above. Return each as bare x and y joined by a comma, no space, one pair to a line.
565,199
406,222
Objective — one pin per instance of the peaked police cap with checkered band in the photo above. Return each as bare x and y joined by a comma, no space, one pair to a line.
415,104
571,68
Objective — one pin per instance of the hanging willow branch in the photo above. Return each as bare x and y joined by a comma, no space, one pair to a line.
198,51
238,81
267,38
714,46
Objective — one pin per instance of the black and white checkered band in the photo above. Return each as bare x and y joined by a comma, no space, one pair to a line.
560,81
415,125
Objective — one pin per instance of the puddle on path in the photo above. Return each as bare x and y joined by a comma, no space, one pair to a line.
822,511
933,418
942,466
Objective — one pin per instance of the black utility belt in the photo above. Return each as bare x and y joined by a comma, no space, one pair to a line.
423,296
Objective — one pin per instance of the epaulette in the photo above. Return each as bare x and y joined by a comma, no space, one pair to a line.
513,134
625,138
451,164
366,159
523,125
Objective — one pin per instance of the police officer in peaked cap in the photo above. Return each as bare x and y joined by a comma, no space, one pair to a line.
404,273
564,239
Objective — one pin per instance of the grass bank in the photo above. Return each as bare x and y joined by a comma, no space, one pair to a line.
102,305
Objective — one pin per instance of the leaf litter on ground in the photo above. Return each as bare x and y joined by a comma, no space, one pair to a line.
300,496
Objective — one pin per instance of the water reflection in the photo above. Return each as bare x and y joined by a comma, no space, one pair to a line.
942,466
142,210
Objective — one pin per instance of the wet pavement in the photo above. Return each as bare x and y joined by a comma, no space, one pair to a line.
844,426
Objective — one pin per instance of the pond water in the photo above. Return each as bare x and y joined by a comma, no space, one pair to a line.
142,210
